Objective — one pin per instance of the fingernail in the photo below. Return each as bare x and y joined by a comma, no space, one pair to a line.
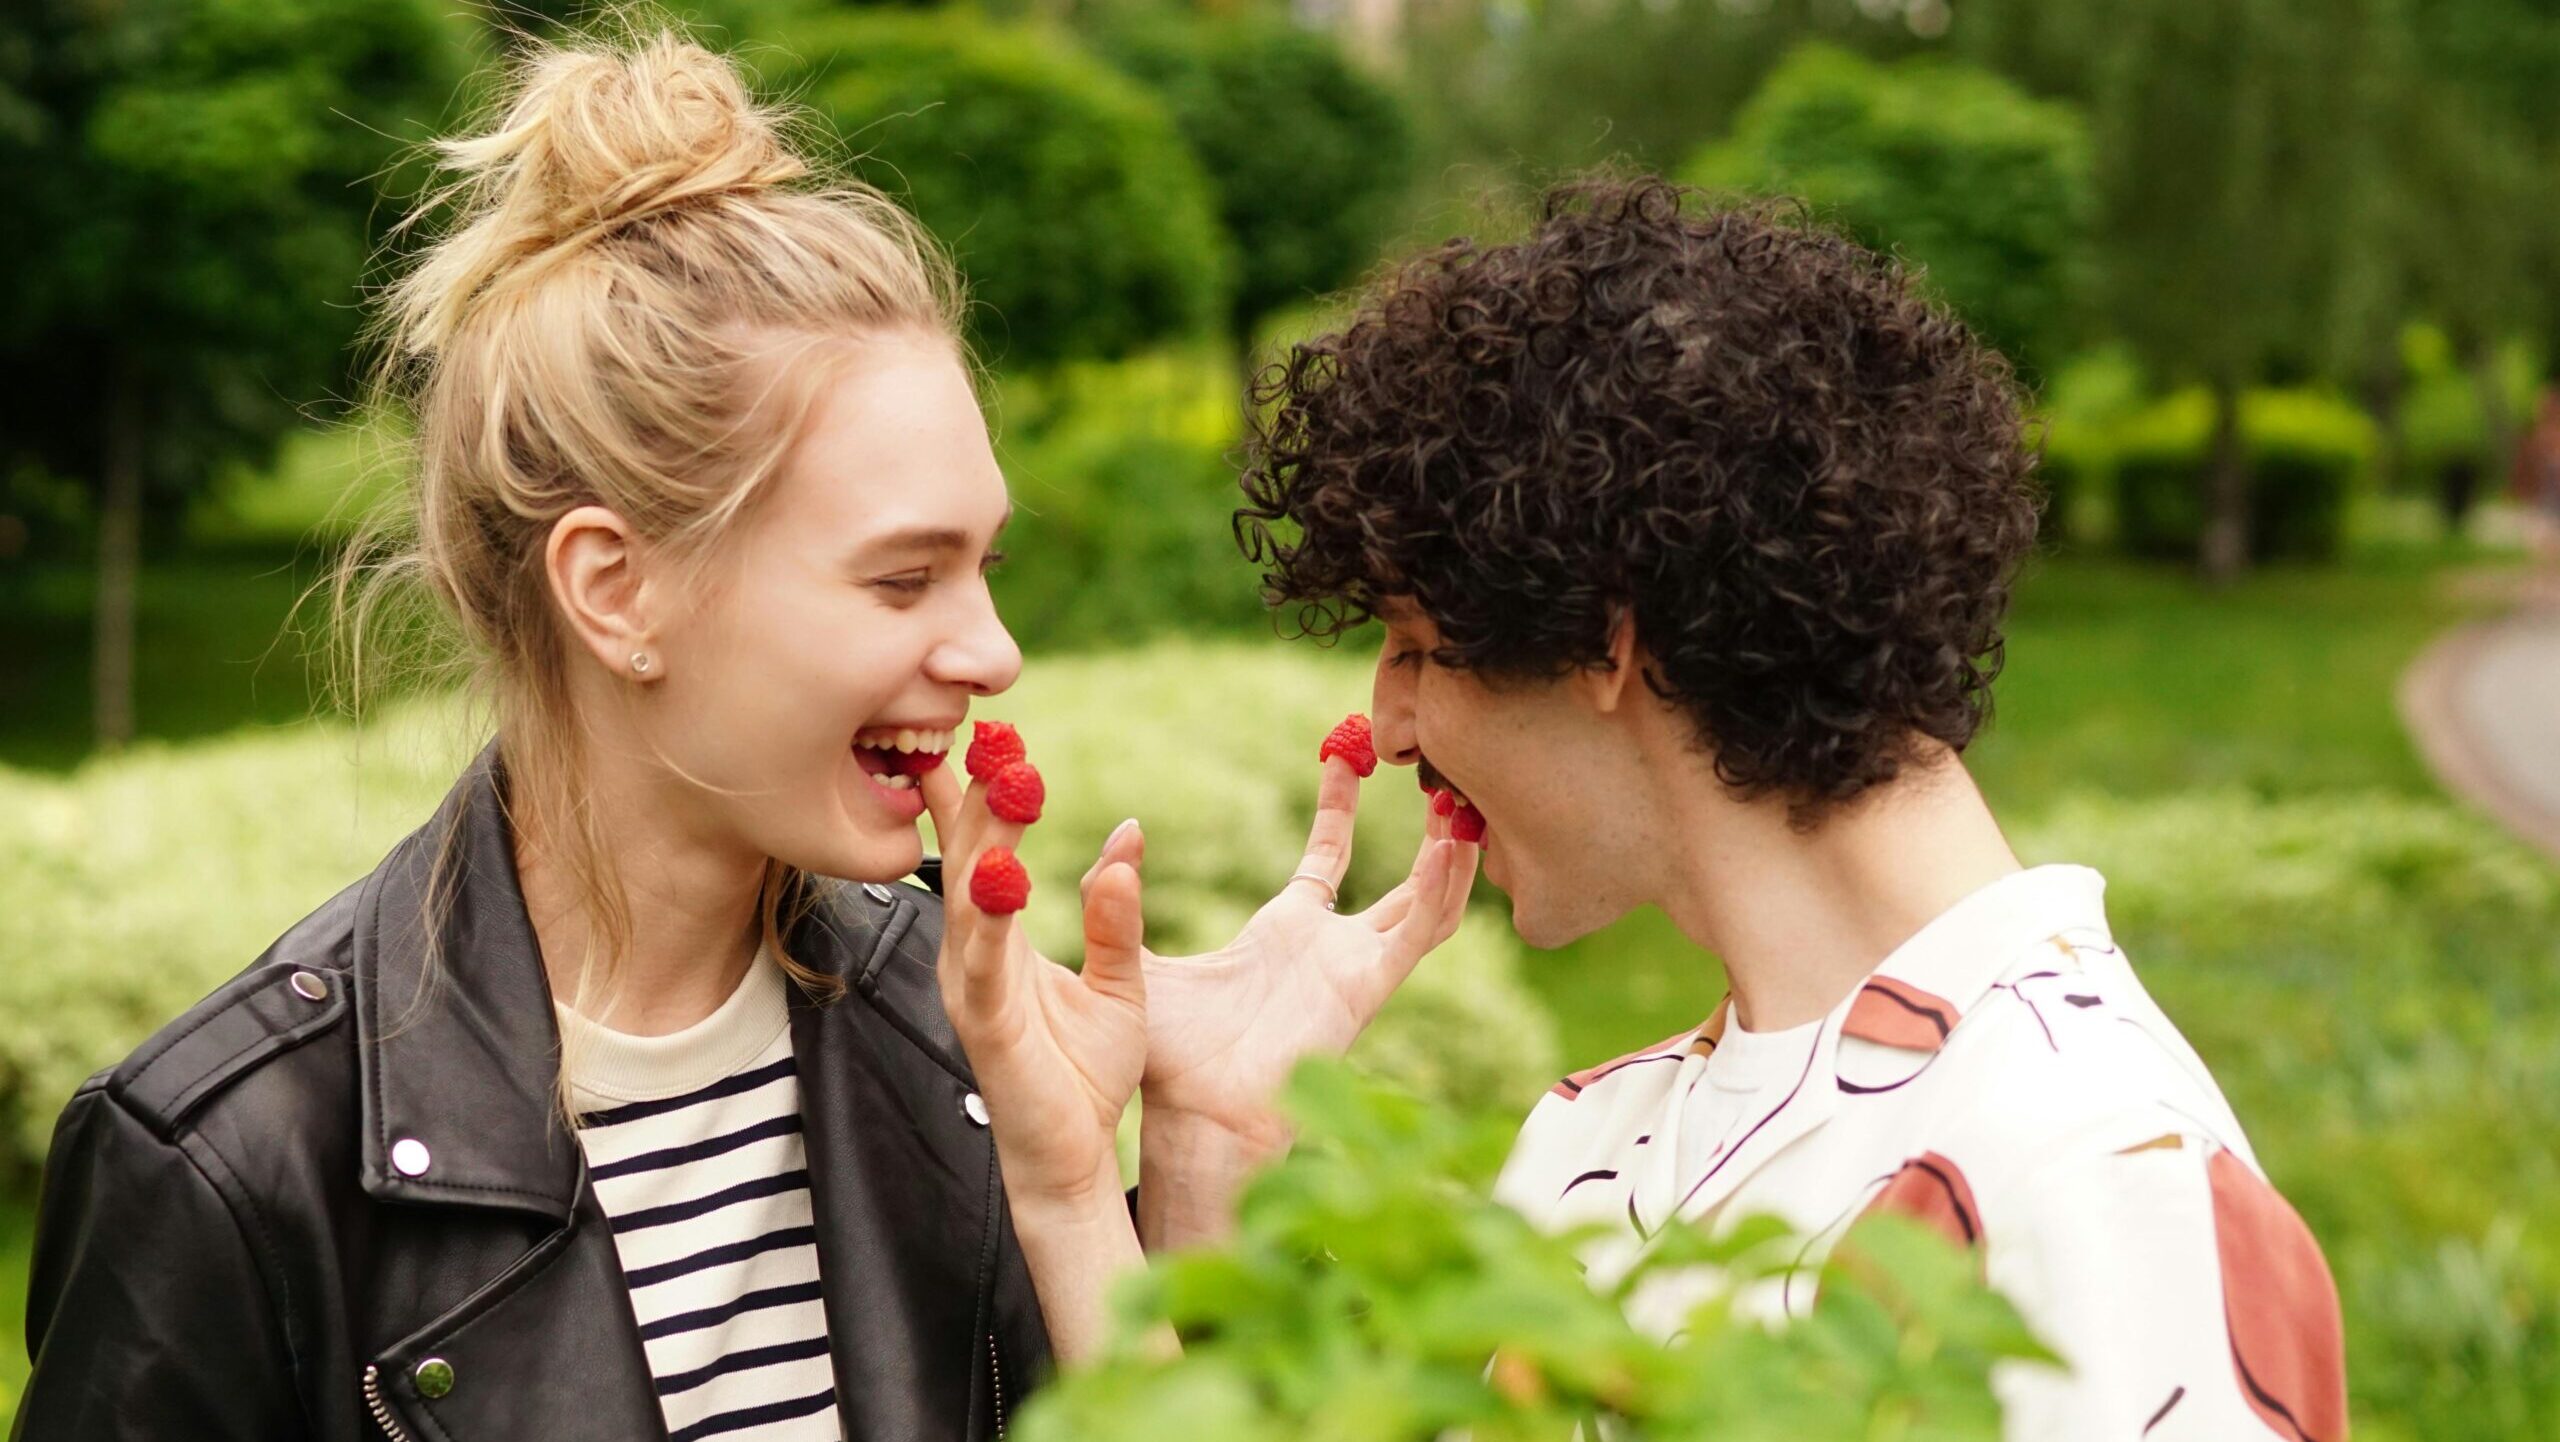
1119,831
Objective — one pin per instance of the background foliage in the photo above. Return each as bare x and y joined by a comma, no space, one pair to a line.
2281,267
1084,223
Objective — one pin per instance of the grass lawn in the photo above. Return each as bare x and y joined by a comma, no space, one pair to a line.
209,653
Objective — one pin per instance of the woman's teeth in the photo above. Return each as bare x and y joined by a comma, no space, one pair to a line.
887,739
903,742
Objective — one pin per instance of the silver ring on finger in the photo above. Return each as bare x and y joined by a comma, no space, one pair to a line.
1331,893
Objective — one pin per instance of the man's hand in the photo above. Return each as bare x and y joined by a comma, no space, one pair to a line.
1224,1030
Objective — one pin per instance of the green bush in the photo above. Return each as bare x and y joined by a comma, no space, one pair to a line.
1374,1293
1080,217
1985,188
135,885
2083,401
1123,491
1308,155
2306,452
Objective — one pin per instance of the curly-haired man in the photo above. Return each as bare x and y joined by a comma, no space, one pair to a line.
1691,531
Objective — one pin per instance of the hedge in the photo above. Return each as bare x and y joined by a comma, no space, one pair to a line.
2306,451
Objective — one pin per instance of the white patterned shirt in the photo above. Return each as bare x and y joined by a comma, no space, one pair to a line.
2004,1077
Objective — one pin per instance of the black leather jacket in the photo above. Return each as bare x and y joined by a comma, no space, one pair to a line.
268,1221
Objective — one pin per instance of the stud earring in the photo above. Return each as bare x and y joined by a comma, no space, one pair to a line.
640,663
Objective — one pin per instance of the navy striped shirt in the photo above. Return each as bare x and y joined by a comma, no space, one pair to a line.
693,1145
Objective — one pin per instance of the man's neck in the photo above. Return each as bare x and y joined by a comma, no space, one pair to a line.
1801,917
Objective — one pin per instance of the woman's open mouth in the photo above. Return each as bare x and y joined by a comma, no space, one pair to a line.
895,759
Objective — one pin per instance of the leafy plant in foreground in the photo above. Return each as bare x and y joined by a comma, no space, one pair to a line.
1375,1293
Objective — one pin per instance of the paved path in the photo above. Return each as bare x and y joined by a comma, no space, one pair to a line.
2484,706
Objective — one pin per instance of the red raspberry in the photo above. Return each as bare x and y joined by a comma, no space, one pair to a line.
993,747
1443,802
1016,792
999,886
1352,742
1467,824
915,763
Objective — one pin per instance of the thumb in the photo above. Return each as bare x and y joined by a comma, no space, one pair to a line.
1115,936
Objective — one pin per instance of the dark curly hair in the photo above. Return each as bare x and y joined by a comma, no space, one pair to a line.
1809,485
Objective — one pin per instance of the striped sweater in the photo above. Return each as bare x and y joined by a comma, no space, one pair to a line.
693,1145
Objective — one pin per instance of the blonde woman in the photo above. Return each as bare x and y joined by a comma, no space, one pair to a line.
594,1112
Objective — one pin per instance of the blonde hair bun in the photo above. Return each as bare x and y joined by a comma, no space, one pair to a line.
592,138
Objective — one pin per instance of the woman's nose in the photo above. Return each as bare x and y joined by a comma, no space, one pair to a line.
983,658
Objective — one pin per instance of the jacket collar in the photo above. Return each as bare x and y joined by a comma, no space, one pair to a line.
458,1053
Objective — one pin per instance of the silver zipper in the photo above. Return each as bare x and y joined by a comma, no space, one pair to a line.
995,1370
381,1410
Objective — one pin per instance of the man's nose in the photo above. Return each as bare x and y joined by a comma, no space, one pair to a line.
1391,716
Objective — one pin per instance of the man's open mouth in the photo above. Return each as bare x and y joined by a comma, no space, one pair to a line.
1433,781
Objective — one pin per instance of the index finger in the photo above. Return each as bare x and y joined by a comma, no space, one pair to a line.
942,800
1328,853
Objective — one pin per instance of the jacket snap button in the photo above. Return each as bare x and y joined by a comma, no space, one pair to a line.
434,1377
309,986
878,893
409,1155
976,1106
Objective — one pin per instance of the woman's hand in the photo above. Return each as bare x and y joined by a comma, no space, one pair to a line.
1224,1030
1056,1055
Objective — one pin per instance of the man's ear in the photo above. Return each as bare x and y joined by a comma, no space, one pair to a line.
594,561
1606,685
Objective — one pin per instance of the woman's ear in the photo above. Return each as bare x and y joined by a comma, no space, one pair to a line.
595,564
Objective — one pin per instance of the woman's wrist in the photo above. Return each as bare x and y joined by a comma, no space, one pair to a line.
1070,1207
1077,1243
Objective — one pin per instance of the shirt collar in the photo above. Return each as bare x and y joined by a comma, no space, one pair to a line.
1925,987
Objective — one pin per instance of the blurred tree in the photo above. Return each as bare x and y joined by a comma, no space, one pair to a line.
1308,155
2476,158
1555,87
1953,167
192,208
1082,220
2240,164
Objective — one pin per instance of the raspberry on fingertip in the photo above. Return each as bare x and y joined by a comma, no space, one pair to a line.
993,746
1466,824
1015,793
1352,742
999,886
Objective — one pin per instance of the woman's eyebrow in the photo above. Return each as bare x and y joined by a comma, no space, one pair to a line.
930,540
